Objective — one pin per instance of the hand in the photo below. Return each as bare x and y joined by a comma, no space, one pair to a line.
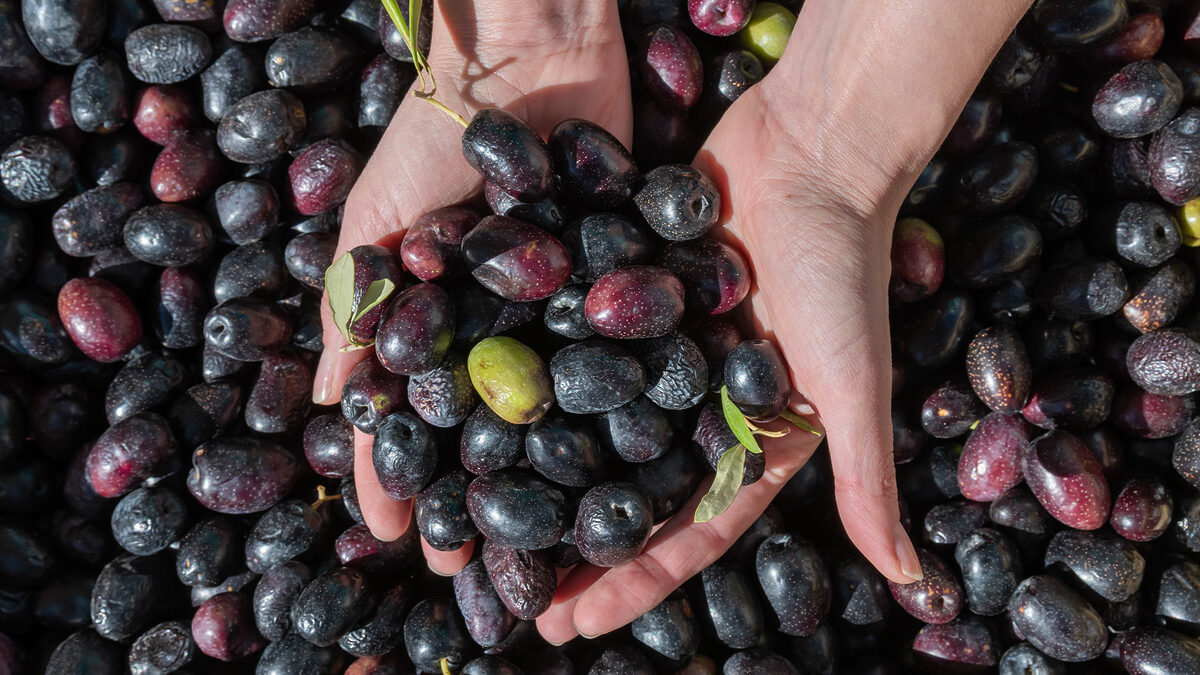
819,254
543,60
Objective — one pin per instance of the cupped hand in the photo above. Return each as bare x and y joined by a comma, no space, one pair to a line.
540,60
816,230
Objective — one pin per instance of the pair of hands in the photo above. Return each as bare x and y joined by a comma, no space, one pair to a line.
815,228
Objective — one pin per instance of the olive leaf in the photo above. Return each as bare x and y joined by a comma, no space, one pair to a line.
377,292
737,423
339,285
799,422
724,486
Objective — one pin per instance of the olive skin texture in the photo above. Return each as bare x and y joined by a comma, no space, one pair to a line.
508,154
678,202
487,618
1067,480
1057,620
937,598
404,454
732,606
433,631
524,580
595,377
758,379
612,524
998,368
795,582
518,509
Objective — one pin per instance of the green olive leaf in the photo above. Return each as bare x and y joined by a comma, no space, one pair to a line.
377,292
339,285
799,422
737,423
724,486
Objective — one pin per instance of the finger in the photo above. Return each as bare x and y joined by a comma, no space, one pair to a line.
447,563
682,547
557,624
853,400
387,518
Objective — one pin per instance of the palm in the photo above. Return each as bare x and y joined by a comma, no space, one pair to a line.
418,165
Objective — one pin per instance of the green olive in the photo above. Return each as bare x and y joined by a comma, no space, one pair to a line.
767,32
511,379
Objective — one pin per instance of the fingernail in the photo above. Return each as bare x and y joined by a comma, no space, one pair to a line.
910,565
323,382
438,572
584,635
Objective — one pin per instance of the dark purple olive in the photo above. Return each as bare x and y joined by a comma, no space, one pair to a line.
635,302
1074,24
515,260
148,520
1157,296
1074,398
990,463
975,126
312,59
85,651
564,449
918,260
431,247
949,522
1067,480
999,177
247,329
612,524
262,127
329,445
281,396
164,53
937,598
1057,620
434,631
246,210
1140,413
274,596
1108,565
937,328
795,583
669,630
524,580
1186,454
565,312
602,242
678,202
1156,650
595,376
205,410
415,330
100,318
36,169
994,252
1166,361
92,222
1143,234
950,410
383,630
592,165
1174,166
1142,509
758,379
31,561
235,74
331,605
209,552
991,570
441,512
241,475
64,31
968,643
308,255
357,547
998,368
1178,592
716,277
517,508
489,443
223,627
1137,100
404,454
382,87
732,606
255,20
670,66
99,100
130,594
170,235
507,153
487,618
322,174
715,438
293,654
546,214
1084,290
166,647
638,431
146,381
130,452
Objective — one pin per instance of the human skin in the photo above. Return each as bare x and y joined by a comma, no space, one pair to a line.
813,163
